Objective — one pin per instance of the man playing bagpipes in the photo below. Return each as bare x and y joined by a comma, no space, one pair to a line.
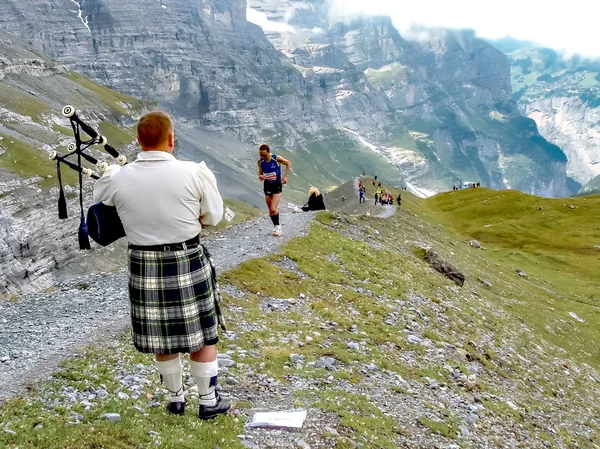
163,204
160,204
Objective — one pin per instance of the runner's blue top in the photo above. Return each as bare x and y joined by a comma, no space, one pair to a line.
271,169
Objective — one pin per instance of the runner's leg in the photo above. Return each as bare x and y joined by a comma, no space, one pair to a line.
274,211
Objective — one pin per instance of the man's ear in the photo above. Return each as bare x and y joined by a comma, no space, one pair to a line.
171,140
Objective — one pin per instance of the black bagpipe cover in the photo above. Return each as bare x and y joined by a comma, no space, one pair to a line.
104,224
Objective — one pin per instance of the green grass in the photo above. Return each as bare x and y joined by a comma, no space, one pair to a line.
95,368
117,137
22,102
550,241
27,161
63,130
488,327
110,98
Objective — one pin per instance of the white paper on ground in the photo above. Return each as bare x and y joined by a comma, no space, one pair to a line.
291,205
229,214
293,420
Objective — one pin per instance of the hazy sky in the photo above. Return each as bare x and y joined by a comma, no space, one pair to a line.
570,25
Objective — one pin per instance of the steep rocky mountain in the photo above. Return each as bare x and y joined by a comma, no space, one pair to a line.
450,91
358,97
563,96
36,248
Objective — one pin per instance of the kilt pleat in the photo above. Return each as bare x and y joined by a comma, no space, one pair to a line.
174,300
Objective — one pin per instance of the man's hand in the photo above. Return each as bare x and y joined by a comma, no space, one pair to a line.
261,177
284,180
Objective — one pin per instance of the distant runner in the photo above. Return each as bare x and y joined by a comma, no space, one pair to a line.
269,171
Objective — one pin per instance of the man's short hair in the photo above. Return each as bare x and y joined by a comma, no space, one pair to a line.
264,147
153,128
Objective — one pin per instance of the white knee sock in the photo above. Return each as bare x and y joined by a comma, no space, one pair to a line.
205,375
171,373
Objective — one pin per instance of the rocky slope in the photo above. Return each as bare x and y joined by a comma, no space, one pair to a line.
443,115
36,248
563,96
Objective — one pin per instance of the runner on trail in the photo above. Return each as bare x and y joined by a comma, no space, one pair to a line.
269,171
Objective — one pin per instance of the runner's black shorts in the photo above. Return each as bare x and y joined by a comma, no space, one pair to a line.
273,188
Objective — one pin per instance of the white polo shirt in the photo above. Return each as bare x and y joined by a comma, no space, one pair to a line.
160,199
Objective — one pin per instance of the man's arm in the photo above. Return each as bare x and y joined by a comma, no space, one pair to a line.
261,176
102,189
288,167
211,203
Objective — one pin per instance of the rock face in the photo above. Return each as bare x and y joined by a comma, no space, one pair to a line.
563,97
450,92
439,110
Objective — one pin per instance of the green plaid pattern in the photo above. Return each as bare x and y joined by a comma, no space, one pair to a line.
175,304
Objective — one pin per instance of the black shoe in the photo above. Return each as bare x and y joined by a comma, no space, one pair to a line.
176,408
211,411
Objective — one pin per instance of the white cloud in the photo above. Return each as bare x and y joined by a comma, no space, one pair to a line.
262,20
566,25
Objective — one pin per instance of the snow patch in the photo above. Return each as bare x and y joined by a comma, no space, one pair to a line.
370,146
419,191
80,15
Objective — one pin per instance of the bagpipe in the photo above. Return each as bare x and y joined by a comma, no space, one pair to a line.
102,223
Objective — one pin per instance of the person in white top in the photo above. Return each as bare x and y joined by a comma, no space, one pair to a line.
163,204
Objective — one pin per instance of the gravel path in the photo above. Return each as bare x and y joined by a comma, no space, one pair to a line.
40,330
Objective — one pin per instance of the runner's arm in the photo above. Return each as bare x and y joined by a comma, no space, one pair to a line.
288,167
261,176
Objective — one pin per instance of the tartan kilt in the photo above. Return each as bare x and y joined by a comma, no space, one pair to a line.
174,300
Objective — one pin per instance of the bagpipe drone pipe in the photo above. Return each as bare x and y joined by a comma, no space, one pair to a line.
103,224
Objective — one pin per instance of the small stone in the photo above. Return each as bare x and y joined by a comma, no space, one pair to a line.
371,367
512,405
309,339
112,417
102,394
10,432
139,410
471,418
353,346
302,296
152,433
301,444
413,339
296,358
522,273
475,244
332,431
122,395
486,283
226,363
464,430
434,384
249,444
4,359
77,417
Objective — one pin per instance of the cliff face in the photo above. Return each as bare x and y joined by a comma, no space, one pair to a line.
563,97
449,92
440,109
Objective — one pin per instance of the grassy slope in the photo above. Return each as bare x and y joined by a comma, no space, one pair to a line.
517,333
